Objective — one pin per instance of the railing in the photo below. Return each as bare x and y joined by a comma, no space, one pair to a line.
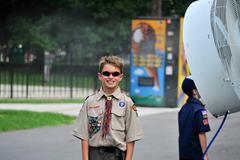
58,81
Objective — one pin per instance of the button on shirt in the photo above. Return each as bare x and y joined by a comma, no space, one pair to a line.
192,119
124,126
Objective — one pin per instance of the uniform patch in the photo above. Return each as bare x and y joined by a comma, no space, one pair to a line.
94,125
204,114
121,104
205,121
94,107
134,108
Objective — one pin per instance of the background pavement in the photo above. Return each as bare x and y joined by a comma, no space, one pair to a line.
160,142
73,109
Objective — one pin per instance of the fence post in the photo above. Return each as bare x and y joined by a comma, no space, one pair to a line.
27,83
11,81
71,83
69,49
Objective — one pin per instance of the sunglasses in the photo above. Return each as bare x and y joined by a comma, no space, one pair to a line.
107,74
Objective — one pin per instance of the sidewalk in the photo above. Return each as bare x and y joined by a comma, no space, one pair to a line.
74,108
160,139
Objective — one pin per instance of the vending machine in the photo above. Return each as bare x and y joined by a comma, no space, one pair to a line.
157,62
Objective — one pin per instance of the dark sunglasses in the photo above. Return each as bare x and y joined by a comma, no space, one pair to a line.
107,74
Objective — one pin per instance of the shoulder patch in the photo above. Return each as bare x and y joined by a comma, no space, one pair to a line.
205,117
204,114
134,108
205,122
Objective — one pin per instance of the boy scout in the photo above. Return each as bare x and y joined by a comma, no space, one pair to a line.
108,124
193,124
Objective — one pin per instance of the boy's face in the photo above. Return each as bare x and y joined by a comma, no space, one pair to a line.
110,78
196,94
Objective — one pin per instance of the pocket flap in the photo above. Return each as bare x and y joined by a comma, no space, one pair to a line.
118,111
95,112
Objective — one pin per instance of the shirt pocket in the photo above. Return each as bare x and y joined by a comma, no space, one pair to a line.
95,117
96,112
118,119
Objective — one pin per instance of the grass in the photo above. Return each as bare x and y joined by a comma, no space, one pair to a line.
40,101
11,120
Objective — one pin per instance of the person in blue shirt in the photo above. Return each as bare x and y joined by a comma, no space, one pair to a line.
193,124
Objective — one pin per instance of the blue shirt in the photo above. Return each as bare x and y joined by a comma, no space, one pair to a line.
192,120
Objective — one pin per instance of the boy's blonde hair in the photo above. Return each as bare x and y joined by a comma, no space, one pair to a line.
113,60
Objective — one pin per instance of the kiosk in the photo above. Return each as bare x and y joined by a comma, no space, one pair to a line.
157,62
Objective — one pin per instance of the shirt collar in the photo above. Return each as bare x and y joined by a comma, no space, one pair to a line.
116,94
195,100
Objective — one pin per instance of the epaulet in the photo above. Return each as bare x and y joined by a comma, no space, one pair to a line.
198,107
95,92
125,92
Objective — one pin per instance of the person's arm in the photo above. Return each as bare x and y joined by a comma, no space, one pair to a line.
130,149
85,149
203,142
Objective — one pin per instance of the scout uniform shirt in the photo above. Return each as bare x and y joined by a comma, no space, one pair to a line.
124,125
192,119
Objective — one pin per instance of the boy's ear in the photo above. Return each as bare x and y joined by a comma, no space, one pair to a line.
194,92
99,75
122,75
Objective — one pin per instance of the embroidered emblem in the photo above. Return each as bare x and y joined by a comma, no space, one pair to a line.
204,114
121,104
134,108
94,125
205,121
93,107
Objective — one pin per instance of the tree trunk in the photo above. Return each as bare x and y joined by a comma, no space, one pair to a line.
157,8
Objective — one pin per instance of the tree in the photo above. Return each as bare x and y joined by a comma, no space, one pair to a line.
157,8
175,7
87,29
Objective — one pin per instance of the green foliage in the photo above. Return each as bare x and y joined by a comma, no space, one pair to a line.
175,7
118,8
24,31
16,120
84,29
81,27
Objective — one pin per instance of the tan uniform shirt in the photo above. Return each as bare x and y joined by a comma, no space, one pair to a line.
124,126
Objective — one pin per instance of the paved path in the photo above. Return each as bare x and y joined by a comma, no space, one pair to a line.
73,109
160,142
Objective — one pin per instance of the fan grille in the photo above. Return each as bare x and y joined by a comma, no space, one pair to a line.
220,30
220,22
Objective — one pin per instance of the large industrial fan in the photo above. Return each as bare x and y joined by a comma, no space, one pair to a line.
211,34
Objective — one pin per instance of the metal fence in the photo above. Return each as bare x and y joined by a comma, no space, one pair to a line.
36,81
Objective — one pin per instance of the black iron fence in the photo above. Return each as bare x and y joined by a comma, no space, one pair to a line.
36,81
